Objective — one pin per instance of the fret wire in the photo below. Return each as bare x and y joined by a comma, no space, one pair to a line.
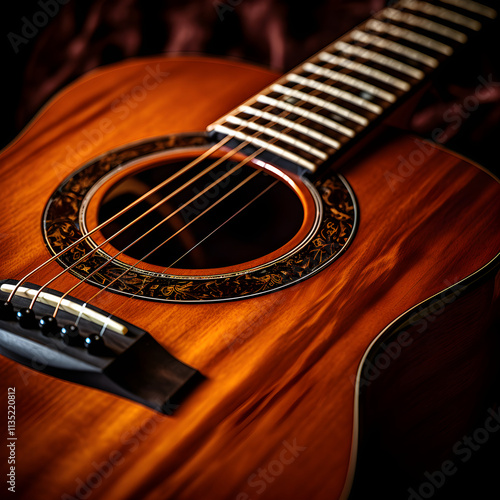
397,48
329,123
341,77
303,113
350,80
350,66
426,24
474,7
298,127
335,92
335,108
365,70
266,146
442,13
307,114
410,36
280,136
379,58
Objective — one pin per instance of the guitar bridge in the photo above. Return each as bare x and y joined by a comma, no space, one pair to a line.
90,347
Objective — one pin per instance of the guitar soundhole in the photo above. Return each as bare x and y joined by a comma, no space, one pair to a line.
196,227
277,230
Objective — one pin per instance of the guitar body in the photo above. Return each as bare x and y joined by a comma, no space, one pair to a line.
277,414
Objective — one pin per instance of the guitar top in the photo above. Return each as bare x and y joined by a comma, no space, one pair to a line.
209,272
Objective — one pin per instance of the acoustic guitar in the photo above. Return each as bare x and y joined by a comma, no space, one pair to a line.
212,274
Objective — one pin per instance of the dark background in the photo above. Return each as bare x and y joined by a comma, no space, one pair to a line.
78,36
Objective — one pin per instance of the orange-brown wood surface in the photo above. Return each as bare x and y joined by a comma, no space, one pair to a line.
280,367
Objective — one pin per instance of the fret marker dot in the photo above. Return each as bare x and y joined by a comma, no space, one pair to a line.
366,96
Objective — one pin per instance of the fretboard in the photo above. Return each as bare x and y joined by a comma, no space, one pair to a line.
320,108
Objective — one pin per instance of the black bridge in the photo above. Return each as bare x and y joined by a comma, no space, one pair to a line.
90,347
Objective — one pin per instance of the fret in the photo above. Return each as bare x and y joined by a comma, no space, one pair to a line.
442,13
334,108
365,70
310,115
355,50
397,48
277,135
426,24
266,146
335,92
474,7
313,114
297,127
409,36
350,80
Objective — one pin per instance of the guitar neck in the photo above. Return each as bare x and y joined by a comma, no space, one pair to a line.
317,110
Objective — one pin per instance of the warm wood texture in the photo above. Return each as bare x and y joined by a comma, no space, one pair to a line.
279,367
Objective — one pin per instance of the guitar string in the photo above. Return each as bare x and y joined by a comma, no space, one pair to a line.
208,188
131,266
240,146
152,191
206,154
86,256
140,260
215,147
151,209
112,258
182,228
202,240
148,211
211,233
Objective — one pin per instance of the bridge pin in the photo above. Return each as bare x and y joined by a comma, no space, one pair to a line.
69,334
26,318
6,311
95,345
48,325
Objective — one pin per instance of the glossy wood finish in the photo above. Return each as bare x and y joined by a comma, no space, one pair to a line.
279,368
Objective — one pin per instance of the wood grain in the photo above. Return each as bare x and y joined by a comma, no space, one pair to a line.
279,368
